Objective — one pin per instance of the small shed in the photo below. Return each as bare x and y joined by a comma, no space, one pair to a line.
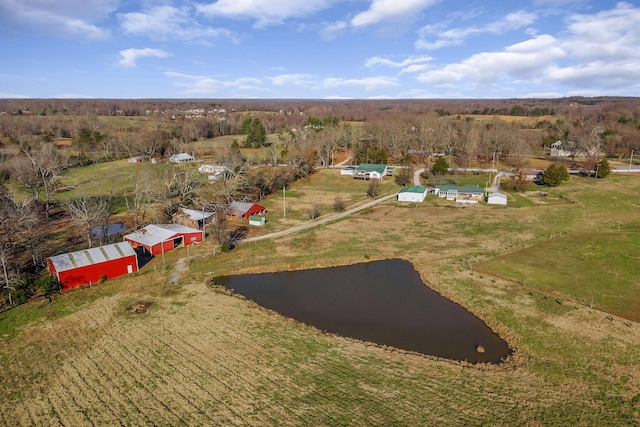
497,199
89,266
348,170
416,193
192,218
159,238
181,158
257,220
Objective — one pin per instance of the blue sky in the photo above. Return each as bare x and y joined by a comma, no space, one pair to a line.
320,49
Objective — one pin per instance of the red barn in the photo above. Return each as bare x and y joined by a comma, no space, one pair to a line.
90,265
160,238
245,210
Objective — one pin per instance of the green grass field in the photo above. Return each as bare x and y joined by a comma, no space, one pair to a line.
201,357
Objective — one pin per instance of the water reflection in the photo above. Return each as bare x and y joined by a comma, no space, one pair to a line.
384,302
112,229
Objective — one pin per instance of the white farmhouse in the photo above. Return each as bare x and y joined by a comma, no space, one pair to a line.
181,158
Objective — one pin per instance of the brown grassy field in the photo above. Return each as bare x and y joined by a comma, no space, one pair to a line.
196,356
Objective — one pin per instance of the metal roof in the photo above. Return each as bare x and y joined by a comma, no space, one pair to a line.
240,207
414,189
91,256
196,215
371,167
153,234
466,189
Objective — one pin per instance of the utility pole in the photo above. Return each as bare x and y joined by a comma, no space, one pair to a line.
284,201
630,160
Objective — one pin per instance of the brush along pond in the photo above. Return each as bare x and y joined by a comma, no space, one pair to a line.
383,302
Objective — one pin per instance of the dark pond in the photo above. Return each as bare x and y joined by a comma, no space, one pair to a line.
112,229
383,302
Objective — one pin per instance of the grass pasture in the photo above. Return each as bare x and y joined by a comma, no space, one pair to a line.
201,357
600,270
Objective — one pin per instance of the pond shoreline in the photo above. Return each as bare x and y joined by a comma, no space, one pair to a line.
511,357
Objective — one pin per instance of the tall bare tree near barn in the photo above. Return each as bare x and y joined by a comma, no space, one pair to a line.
86,211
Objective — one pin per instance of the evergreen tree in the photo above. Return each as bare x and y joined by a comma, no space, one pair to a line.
255,131
604,169
555,175
440,167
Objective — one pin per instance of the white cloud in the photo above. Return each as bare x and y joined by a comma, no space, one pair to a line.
205,85
408,62
264,12
292,80
456,36
8,95
332,30
595,54
69,18
384,10
610,34
526,60
168,22
130,56
368,83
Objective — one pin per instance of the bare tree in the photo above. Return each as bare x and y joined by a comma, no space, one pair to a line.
26,221
426,137
86,211
40,172
139,202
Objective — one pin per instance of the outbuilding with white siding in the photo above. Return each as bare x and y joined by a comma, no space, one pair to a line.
415,193
497,199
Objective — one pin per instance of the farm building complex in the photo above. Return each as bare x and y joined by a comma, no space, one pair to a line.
91,265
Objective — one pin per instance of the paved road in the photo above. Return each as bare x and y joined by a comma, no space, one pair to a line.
322,221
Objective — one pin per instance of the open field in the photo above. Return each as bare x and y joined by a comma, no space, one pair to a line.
196,356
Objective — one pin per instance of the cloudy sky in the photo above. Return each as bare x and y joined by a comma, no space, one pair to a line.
321,49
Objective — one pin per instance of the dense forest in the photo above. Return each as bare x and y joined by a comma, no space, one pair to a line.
270,144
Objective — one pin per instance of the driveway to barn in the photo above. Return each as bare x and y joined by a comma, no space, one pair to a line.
322,221
495,185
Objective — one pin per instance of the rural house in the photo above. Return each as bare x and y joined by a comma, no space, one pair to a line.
192,218
416,193
91,265
368,171
181,158
159,238
462,194
214,172
243,211
138,159
531,174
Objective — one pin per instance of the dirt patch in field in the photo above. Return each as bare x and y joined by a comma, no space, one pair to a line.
139,307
